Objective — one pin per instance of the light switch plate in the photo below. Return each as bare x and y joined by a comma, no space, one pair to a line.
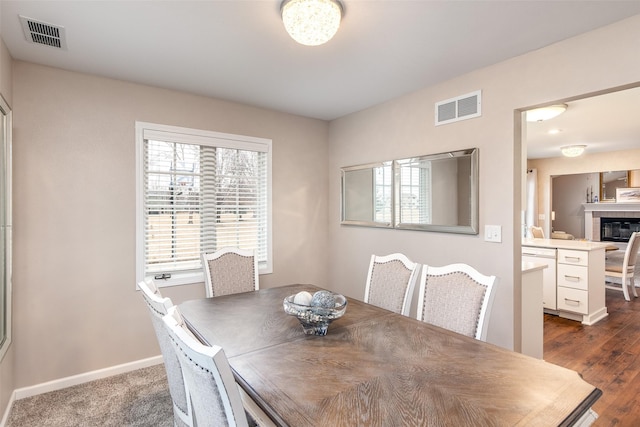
493,233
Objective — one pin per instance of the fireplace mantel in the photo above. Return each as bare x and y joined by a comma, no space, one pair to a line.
594,211
611,207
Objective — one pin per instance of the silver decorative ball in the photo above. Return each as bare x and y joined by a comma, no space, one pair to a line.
323,299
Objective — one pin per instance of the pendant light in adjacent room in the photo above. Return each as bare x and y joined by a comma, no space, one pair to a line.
545,113
572,150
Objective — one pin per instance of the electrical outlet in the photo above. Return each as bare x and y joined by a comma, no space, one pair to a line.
493,233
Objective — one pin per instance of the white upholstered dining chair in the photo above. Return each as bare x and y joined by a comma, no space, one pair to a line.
456,297
214,393
159,307
390,282
537,232
230,271
624,271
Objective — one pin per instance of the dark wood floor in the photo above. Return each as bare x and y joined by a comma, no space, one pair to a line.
606,354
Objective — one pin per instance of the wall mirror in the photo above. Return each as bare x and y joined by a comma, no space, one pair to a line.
367,195
5,227
610,181
438,192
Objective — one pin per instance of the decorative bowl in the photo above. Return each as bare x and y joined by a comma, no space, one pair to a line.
315,320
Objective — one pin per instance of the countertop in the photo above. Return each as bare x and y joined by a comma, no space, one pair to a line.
532,266
578,245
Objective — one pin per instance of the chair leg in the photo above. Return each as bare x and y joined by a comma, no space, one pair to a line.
633,286
625,289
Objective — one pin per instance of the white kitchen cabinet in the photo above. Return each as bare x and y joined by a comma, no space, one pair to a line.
546,256
581,293
579,281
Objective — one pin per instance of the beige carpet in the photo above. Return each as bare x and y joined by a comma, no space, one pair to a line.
137,398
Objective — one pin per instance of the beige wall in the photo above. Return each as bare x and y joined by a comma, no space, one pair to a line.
598,162
74,217
75,304
7,364
404,127
6,88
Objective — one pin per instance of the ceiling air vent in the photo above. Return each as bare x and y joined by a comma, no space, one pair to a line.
459,108
42,33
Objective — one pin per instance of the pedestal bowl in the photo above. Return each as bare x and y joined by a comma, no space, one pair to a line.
315,319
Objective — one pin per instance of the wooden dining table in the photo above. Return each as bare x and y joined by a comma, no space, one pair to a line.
378,368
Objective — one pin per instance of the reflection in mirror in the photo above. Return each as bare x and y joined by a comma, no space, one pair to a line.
609,181
569,193
438,192
5,227
367,195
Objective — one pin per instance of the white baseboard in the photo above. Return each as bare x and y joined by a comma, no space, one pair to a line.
7,410
61,383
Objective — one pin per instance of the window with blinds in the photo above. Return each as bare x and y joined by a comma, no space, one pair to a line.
198,192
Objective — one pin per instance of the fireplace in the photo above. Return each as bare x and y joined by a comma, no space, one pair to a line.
596,215
614,229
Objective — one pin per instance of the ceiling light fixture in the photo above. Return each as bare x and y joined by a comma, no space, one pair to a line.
311,22
545,113
572,150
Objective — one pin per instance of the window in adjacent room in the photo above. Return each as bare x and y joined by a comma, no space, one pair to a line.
199,191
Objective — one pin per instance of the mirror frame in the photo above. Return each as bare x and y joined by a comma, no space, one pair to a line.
6,131
472,228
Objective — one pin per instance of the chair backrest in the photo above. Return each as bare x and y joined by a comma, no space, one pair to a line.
537,232
456,297
562,235
159,307
390,282
631,254
214,393
230,271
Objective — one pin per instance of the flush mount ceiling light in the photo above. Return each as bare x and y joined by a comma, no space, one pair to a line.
311,22
572,150
545,113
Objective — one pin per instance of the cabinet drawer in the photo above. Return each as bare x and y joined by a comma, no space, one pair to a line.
566,256
574,300
573,276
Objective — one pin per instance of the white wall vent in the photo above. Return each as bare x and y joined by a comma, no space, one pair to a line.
42,33
459,108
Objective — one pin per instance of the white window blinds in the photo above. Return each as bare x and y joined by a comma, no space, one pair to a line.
200,192
415,188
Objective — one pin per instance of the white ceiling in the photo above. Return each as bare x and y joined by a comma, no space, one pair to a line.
238,50
603,123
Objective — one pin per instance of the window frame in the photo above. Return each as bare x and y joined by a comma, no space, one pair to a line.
198,137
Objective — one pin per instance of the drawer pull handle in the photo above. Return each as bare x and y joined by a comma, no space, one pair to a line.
572,278
572,258
572,302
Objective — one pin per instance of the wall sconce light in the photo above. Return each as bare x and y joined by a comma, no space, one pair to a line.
572,150
311,22
545,113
